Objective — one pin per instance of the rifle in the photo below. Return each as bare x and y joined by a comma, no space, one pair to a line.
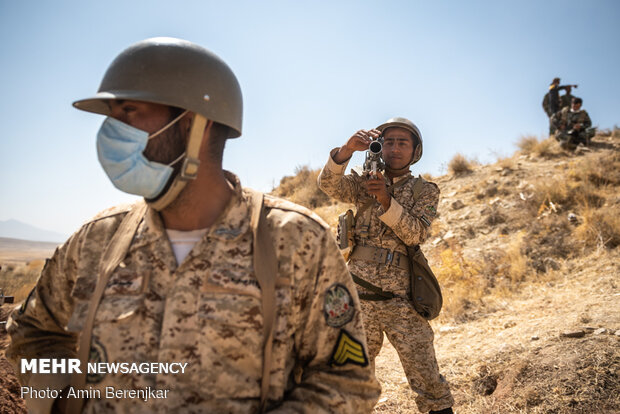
374,161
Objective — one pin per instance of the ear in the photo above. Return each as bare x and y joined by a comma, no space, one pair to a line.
417,151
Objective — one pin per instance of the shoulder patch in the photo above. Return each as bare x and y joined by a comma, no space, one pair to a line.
338,307
348,350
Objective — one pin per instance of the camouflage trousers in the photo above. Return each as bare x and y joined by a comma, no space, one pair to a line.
412,337
570,139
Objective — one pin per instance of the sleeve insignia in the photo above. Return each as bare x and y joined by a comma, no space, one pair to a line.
425,221
348,350
338,307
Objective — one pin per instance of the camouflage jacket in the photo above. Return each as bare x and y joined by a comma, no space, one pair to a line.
405,223
566,119
206,312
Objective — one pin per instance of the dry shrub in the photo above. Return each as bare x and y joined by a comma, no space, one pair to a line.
554,192
546,148
547,240
561,194
506,163
460,165
599,227
602,171
460,283
518,267
527,144
302,188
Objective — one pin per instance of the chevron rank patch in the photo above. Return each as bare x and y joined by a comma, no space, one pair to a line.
348,350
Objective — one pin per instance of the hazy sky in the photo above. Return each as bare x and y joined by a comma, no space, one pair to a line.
470,74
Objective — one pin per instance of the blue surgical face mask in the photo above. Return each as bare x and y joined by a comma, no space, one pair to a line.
120,147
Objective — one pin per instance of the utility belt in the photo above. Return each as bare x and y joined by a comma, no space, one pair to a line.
381,256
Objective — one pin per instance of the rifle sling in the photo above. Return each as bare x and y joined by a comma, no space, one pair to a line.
379,294
113,254
266,268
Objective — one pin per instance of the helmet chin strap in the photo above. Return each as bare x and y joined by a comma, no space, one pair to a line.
189,170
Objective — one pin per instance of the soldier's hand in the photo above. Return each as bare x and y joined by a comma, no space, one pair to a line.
358,142
376,187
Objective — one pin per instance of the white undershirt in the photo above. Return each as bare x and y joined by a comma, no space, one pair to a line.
183,242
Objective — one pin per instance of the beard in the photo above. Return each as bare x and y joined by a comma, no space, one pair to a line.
166,147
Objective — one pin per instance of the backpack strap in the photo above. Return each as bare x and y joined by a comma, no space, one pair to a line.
418,185
266,269
113,254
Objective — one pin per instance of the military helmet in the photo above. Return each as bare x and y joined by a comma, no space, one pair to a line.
404,123
172,72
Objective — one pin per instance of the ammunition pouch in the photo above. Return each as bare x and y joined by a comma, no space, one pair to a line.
425,290
425,296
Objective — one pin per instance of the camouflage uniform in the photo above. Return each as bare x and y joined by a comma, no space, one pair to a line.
565,121
207,312
406,222
551,102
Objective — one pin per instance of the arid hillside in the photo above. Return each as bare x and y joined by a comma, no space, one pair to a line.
526,250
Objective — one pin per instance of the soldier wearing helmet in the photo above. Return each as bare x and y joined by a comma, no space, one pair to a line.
246,292
394,213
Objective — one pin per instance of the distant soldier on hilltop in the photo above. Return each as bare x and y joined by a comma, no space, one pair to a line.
551,102
573,125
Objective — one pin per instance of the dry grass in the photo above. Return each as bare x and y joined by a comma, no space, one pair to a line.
18,279
506,162
545,148
302,188
527,144
461,277
600,227
460,165
518,268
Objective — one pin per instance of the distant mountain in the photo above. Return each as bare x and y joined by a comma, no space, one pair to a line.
18,230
